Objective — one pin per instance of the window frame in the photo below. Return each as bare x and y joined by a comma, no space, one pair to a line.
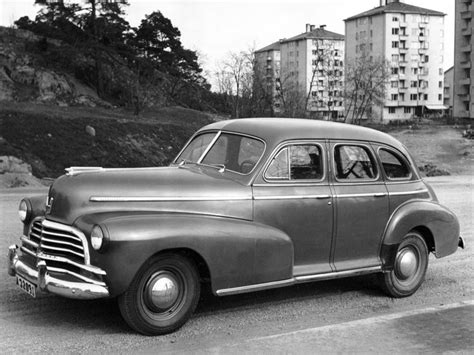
398,154
368,148
287,144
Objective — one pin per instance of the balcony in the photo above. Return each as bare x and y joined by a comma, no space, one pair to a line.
269,59
391,103
403,49
466,81
467,48
402,63
465,97
465,64
403,24
422,24
422,50
403,89
466,15
421,64
403,36
466,31
422,38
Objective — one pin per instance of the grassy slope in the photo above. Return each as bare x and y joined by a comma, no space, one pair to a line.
53,138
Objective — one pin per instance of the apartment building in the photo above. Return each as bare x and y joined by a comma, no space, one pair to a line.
463,95
448,90
311,73
268,70
411,40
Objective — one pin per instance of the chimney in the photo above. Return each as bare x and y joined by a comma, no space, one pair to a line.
308,27
386,2
322,27
312,27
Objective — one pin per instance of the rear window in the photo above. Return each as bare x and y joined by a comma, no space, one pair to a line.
354,162
394,166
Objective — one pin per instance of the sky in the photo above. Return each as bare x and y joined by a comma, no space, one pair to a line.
216,27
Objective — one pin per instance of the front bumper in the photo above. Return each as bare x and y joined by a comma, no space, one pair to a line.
48,283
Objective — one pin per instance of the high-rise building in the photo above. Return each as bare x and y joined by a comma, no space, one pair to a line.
411,40
310,79
463,95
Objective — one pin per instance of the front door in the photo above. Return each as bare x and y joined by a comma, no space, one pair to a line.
361,205
293,195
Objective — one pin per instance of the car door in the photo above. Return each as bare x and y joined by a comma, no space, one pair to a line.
292,194
361,205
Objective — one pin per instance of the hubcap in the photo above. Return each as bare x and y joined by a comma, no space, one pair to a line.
406,263
163,291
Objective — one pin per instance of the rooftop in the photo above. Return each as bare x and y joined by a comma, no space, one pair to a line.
396,7
275,46
318,33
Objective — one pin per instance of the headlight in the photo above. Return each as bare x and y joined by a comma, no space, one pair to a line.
97,237
24,210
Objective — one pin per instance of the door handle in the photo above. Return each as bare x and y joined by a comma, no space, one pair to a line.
382,194
323,197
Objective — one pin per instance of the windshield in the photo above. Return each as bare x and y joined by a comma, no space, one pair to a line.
224,150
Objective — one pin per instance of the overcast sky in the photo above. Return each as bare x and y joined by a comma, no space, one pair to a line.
216,27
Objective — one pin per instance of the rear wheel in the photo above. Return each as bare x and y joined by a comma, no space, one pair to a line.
409,269
162,296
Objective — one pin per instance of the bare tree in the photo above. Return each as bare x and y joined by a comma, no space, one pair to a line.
366,81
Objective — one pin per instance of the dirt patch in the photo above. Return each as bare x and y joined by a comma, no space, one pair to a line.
439,146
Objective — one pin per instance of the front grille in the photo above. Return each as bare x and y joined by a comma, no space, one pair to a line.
56,240
63,248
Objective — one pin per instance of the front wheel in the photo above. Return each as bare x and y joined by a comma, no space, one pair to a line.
162,296
409,269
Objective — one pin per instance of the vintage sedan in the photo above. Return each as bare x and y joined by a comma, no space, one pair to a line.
247,205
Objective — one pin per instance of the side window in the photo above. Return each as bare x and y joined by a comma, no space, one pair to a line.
394,166
297,162
306,162
278,168
354,162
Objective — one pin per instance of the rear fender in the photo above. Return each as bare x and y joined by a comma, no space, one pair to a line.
236,252
440,221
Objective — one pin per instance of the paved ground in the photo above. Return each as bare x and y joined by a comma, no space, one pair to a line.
347,315
441,329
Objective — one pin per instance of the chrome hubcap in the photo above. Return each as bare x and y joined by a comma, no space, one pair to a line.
163,291
406,263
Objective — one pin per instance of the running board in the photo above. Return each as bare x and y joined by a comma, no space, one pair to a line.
297,280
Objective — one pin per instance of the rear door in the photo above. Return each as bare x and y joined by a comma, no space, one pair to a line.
361,205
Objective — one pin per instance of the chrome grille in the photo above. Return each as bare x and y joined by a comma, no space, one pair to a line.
54,239
63,248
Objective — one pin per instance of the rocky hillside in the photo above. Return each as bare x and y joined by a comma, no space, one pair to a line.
24,75
50,120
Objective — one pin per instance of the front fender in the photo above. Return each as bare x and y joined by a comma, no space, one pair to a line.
236,252
439,220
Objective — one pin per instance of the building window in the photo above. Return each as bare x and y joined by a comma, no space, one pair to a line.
395,57
394,84
394,71
394,19
413,84
394,97
426,97
441,71
394,44
407,110
440,84
440,97
427,58
391,110
414,71
395,31
401,97
371,33
413,97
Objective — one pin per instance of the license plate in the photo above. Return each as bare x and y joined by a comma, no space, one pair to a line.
26,286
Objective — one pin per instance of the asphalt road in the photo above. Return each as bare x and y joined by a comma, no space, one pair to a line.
351,313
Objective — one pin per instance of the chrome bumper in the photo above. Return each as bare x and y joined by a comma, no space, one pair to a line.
41,278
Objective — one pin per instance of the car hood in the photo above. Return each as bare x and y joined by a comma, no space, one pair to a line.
163,190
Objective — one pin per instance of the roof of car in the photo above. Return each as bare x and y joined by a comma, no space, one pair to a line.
279,129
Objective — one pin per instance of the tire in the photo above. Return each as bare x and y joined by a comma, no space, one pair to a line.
409,269
176,295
